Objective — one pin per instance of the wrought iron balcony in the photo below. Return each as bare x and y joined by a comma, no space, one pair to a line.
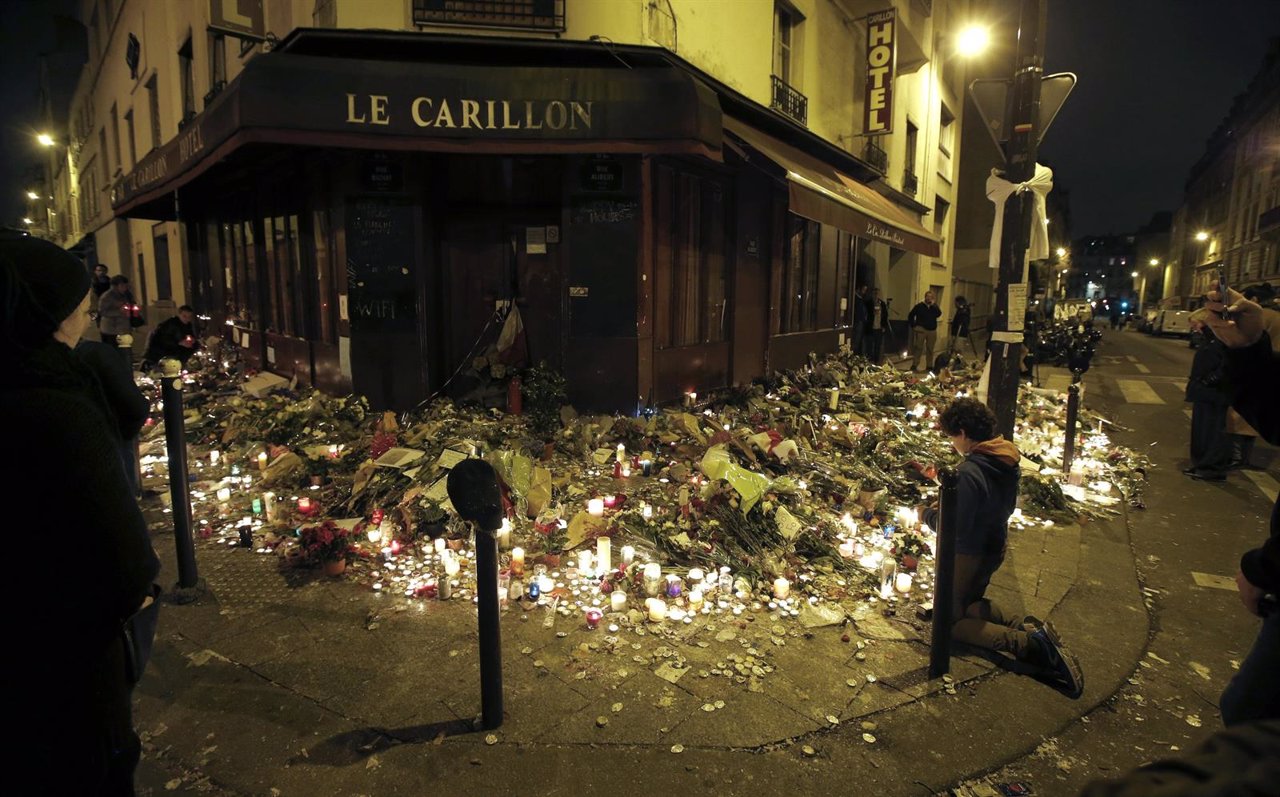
521,14
790,102
877,157
910,183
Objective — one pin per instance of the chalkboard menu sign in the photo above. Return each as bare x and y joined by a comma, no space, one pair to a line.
604,211
381,278
601,173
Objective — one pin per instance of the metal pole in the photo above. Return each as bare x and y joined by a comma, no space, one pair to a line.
1069,445
179,490
1023,136
490,629
944,578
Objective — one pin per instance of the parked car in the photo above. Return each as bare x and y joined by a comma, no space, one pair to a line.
1173,322
1147,322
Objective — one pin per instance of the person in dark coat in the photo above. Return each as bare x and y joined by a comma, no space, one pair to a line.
129,407
959,327
1210,398
115,308
861,317
923,322
173,338
68,669
986,493
101,281
877,326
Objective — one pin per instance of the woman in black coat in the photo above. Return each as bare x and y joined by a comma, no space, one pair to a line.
1210,397
82,561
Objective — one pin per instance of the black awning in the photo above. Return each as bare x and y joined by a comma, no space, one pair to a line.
288,98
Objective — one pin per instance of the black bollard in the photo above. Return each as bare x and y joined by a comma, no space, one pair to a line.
1073,411
473,489
944,578
175,438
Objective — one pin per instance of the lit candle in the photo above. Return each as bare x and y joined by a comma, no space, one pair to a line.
903,583
726,580
628,555
444,590
269,503
781,588
595,507
256,505
617,600
695,578
673,586
604,555
546,583
535,589
224,495
657,609
846,549
517,561
593,617
439,545
690,399
306,506
503,535
262,461
333,451
584,561
646,467
214,456
622,452
646,512
375,534
395,547
610,501
833,398
652,578
695,599
625,470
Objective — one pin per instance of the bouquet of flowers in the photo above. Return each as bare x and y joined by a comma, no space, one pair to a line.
327,542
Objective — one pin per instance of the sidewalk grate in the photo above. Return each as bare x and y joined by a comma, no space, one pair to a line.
242,580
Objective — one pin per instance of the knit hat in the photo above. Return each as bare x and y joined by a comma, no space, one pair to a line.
55,280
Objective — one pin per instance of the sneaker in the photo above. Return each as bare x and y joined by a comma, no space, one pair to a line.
1203,475
1061,668
1032,623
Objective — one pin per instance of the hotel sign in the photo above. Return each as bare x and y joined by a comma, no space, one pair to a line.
882,64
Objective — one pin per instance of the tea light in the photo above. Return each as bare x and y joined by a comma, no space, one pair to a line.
517,560
833,398
695,599
617,600
593,617
604,555
652,578
673,586
584,561
903,583
646,511
781,588
657,609
262,461
375,534
675,614
628,554
846,549
224,495
503,535
214,456
595,507
306,506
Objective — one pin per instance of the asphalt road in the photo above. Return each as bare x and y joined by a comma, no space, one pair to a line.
1199,634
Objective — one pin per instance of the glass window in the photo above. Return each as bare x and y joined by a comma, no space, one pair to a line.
690,280
153,102
186,81
326,286
800,276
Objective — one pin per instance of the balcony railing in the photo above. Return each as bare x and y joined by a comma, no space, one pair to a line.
521,14
790,102
910,183
877,157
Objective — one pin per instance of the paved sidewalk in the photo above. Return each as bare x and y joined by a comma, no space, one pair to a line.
288,683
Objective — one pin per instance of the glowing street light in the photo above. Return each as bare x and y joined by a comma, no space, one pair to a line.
28,221
32,195
1134,275
1202,236
1155,261
973,40
45,140
1062,251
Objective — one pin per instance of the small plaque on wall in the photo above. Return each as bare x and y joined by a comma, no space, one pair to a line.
577,291
602,173
535,240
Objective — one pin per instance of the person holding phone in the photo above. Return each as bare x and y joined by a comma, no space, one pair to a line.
1253,367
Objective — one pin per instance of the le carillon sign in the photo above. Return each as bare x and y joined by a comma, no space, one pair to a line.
361,103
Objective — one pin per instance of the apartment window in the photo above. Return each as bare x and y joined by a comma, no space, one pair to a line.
690,271
164,277
941,209
128,130
106,161
153,106
115,137
799,287
187,82
947,131
913,138
217,61
785,20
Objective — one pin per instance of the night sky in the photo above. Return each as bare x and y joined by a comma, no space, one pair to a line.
1156,78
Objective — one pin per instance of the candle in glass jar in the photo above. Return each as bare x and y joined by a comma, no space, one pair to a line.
696,577
604,555
673,586
781,588
375,534
622,452
652,578
224,495
306,506
503,535
214,456
695,599
593,617
584,561
444,589
617,600
646,467
646,512
269,504
846,549
595,507
903,583
333,451
546,583
833,398
517,561
628,554
262,461
657,609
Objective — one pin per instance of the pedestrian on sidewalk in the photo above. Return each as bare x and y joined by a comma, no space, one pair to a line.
923,323
1253,367
987,491
877,325
173,338
101,281
1210,398
960,321
129,407
861,319
115,308
68,667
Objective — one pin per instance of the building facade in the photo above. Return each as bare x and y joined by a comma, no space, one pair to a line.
677,195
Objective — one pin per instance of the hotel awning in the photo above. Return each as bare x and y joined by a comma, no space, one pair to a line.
823,193
365,103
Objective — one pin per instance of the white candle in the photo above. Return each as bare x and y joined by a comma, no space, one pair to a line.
617,600
652,578
625,471
503,535
781,588
646,511
262,461
622,452
269,505
833,398
451,567
695,578
695,599
214,456
675,613
846,549
517,561
604,555
584,562
903,583
439,544
595,506
224,495
375,534
546,583
333,451
657,609
628,554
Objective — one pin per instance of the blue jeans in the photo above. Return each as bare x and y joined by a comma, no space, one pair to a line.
1254,691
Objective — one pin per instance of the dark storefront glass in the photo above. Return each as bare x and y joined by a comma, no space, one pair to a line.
325,286
690,272
800,277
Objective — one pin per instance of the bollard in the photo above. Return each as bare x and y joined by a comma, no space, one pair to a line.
944,577
1069,445
175,438
473,490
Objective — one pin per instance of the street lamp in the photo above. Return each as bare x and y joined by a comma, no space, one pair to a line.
32,195
1062,251
1155,261
973,40
45,140
1202,236
27,221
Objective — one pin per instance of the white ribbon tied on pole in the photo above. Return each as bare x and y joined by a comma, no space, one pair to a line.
999,190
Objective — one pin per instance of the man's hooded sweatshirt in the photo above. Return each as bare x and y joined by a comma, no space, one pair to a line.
986,492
